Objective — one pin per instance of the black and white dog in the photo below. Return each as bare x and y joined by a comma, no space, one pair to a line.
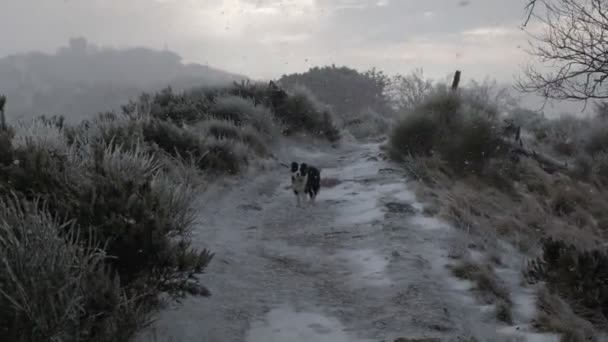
305,180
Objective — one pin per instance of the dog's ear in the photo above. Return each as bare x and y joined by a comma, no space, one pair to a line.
303,167
294,166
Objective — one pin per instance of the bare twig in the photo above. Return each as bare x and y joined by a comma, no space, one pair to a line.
575,45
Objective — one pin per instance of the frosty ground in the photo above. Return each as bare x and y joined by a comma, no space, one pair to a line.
365,264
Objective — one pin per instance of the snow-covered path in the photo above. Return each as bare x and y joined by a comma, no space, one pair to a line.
364,264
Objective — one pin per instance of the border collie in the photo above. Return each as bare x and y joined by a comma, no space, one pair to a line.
305,180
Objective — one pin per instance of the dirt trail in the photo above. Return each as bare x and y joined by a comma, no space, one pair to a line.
364,264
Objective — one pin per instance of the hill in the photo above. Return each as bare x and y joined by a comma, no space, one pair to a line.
82,79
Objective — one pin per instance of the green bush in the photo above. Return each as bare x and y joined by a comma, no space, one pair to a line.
580,277
54,285
242,111
264,107
174,140
168,106
415,135
460,133
346,90
473,145
123,198
144,218
224,156
299,114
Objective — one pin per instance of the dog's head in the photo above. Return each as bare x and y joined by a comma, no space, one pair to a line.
298,171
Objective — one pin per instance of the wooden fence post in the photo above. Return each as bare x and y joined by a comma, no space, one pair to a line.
2,118
456,80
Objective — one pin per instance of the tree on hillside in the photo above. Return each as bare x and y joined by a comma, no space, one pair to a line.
574,45
346,90
407,91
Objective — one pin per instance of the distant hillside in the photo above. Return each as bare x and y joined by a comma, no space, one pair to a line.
83,79
346,90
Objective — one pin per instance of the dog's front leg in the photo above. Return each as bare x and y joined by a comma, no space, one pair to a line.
303,199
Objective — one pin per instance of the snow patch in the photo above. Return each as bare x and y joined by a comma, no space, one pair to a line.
428,223
369,267
286,325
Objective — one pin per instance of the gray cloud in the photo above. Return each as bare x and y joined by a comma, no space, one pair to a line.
265,38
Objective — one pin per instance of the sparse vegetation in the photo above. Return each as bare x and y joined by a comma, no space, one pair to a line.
492,189
488,287
555,315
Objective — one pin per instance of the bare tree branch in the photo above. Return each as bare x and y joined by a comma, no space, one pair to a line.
574,45
530,10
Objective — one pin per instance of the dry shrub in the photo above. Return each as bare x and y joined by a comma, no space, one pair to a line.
555,315
534,179
502,174
600,169
583,167
578,275
488,286
504,312
524,223
597,141
566,148
467,207
567,199
432,171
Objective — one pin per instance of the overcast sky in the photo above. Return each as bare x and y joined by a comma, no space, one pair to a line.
266,38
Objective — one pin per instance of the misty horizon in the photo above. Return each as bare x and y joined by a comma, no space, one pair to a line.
265,39
124,82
